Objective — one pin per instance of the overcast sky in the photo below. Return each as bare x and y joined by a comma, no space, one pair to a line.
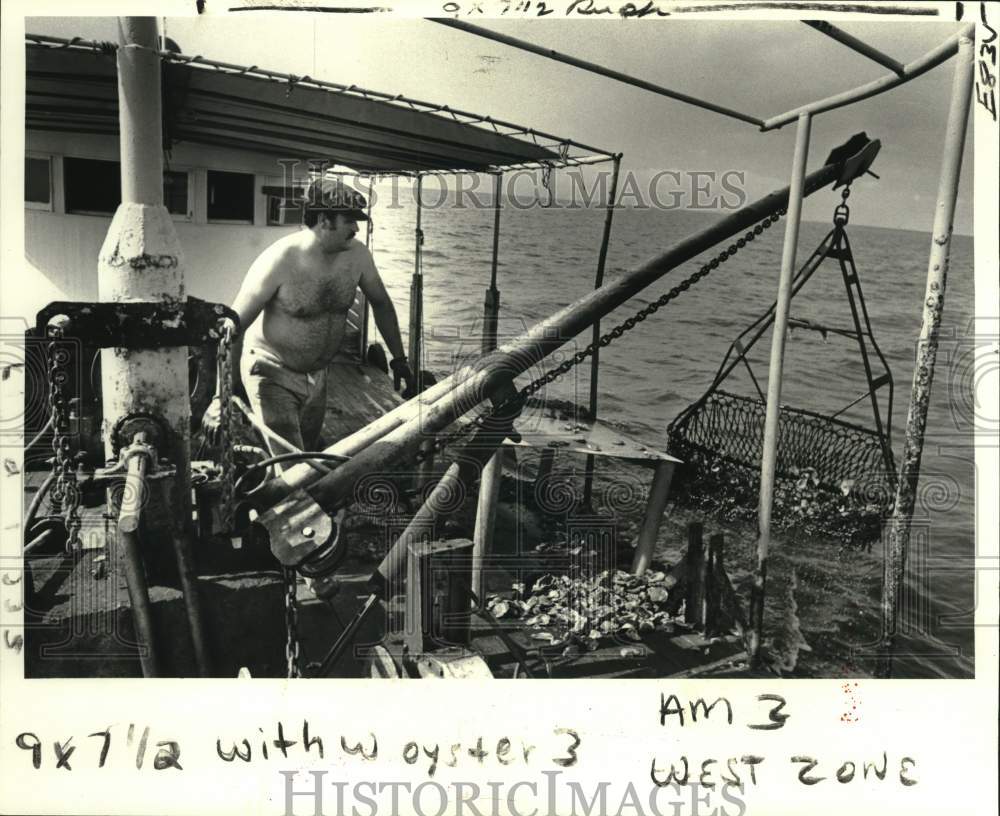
758,68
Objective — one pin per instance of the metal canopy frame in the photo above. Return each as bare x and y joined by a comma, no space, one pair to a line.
558,151
400,432
900,73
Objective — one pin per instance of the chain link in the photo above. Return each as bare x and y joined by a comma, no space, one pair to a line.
225,373
65,494
292,648
842,213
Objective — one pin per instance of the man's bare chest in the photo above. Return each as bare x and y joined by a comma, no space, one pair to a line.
308,293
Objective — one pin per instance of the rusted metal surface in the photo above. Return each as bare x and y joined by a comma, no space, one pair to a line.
139,325
135,577
897,540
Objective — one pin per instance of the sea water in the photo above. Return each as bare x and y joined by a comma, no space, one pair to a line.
548,258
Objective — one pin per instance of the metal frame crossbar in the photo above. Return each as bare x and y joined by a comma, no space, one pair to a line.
900,73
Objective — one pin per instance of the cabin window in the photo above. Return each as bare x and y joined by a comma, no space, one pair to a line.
282,211
38,182
230,197
93,186
175,192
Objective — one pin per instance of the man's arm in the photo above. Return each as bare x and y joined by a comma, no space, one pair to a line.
384,313
259,286
383,309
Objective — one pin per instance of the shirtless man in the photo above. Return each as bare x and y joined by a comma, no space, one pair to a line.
293,306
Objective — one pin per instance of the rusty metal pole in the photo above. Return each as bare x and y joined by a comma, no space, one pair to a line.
489,481
417,293
141,259
491,305
415,350
927,346
769,458
595,361
129,518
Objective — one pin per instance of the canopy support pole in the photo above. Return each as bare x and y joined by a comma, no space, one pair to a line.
770,454
369,245
491,305
588,482
489,482
927,346
415,351
417,294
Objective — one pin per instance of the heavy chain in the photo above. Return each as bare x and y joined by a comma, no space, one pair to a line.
291,622
609,337
631,322
66,494
225,373
842,213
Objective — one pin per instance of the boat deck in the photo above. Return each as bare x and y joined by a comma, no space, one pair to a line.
240,584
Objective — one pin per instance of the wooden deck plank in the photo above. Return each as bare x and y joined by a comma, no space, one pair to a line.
356,396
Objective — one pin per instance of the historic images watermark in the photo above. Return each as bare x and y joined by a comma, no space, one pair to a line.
578,187
317,795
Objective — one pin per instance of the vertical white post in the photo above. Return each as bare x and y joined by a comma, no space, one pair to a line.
770,453
141,258
923,371
655,505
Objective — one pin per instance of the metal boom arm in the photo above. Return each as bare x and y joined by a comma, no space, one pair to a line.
284,521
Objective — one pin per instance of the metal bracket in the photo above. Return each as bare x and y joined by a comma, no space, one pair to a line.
138,325
298,528
125,429
157,468
858,164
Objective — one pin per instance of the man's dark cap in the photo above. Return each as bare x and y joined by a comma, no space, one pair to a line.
331,194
